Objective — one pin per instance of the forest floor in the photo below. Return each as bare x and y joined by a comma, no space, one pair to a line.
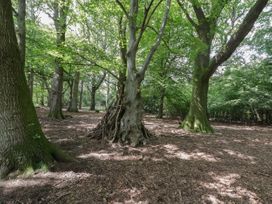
233,165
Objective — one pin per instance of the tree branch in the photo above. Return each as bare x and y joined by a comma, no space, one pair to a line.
147,61
123,8
238,36
144,23
187,14
199,12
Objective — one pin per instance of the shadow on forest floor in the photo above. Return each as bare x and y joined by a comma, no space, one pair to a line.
233,165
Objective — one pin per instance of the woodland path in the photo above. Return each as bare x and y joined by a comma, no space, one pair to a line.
234,165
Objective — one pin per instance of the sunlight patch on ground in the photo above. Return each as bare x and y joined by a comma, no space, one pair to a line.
133,194
42,179
110,156
240,155
174,152
263,141
64,140
224,185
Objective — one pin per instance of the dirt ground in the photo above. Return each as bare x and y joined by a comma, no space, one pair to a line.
234,165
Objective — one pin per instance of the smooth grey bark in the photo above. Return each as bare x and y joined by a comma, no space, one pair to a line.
60,20
74,99
22,142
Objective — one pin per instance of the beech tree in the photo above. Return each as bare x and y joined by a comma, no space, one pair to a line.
23,145
60,20
123,123
205,25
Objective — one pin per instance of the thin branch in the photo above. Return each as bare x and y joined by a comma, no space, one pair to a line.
193,23
147,61
123,8
238,36
97,65
144,23
217,9
163,40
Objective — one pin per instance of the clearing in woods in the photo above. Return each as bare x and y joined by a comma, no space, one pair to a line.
232,165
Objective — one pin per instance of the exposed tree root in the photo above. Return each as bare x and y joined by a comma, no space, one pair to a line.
27,160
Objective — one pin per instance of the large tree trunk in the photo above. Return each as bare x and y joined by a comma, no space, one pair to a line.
123,120
23,145
74,100
197,118
55,110
132,130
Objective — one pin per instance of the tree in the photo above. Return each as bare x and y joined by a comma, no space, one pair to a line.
204,64
60,20
23,145
124,123
95,84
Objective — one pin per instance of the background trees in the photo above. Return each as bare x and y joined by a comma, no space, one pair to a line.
198,37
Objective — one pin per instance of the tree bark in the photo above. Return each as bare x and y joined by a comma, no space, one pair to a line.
96,83
74,100
22,30
81,94
93,93
55,111
23,145
197,118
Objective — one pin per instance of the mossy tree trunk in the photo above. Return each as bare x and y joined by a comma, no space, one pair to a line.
197,118
22,143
